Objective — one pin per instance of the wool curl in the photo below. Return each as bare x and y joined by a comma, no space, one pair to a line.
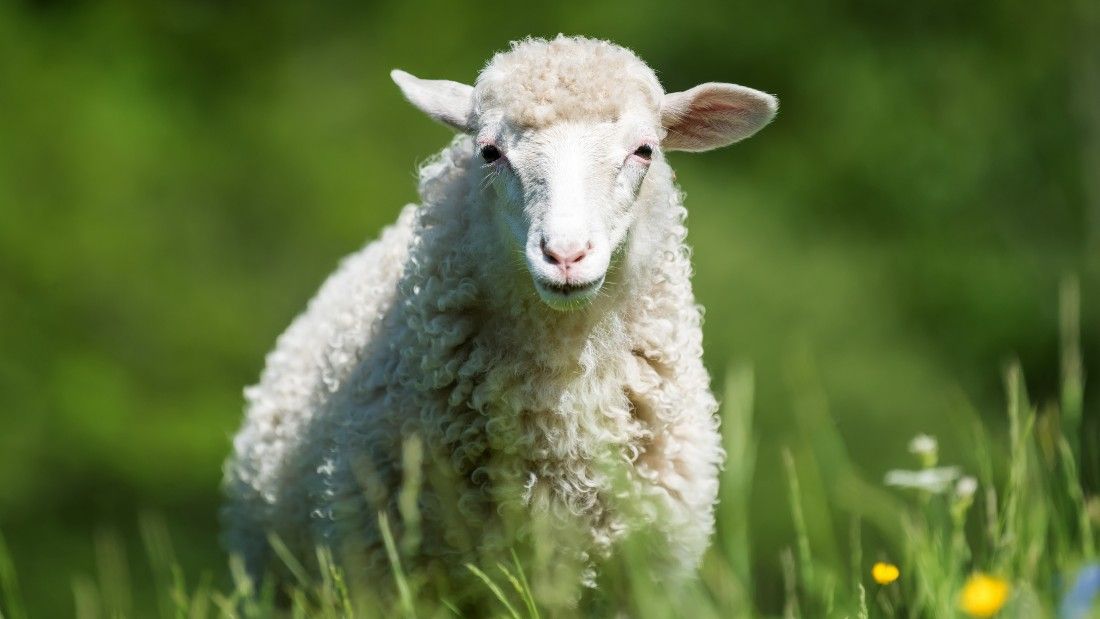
539,82
590,424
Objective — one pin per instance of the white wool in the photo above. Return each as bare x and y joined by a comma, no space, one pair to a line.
539,82
602,418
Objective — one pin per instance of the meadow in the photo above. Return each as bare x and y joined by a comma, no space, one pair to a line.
913,247
1015,543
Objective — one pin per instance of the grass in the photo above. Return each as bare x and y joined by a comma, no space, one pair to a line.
1008,539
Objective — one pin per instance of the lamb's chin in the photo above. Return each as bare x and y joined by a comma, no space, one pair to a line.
568,297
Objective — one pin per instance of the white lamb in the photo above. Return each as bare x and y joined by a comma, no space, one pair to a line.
532,323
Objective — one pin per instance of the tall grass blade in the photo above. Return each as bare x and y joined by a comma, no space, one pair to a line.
825,465
451,607
855,550
11,600
289,560
114,573
334,584
527,595
86,599
828,475
226,605
790,585
199,607
1017,486
495,589
1077,496
244,589
511,578
805,559
162,560
404,592
740,445
412,459
1073,382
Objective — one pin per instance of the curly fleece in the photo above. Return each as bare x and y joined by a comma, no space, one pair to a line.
598,421
540,82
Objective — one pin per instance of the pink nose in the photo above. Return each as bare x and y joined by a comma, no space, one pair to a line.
564,257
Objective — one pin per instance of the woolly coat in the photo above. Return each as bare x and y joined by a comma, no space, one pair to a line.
596,422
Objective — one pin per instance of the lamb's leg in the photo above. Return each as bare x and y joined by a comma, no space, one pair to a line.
243,525
680,459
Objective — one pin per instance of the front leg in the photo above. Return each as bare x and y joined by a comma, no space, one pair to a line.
679,458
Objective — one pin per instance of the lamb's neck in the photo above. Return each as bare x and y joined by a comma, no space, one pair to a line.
568,342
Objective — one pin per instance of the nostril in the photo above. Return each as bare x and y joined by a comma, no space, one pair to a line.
564,258
548,255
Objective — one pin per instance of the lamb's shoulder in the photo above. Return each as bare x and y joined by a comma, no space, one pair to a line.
317,352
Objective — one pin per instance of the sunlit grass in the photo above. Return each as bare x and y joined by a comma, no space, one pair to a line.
960,543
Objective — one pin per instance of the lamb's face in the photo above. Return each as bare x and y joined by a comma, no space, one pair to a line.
567,130
565,196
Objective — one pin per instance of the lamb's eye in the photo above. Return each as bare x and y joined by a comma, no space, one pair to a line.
645,151
490,153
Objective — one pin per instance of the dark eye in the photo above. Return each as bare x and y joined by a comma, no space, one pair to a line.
490,153
645,151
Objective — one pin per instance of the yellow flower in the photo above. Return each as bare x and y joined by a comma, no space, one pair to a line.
884,573
983,595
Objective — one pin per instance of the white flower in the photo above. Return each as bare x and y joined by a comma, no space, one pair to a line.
935,480
966,487
925,448
923,445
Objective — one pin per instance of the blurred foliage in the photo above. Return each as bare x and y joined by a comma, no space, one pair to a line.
176,178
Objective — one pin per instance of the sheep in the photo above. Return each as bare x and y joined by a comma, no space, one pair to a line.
531,326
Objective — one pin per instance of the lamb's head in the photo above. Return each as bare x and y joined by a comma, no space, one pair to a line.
570,131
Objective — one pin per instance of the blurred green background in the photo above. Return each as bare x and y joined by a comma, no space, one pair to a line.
177,178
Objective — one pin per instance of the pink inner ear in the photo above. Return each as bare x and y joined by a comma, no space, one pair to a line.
710,119
705,108
717,105
714,115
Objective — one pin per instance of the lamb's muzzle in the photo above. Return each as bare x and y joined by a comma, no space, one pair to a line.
565,255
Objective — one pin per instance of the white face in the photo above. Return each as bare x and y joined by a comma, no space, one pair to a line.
565,195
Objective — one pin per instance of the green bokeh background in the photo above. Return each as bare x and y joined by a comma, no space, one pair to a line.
177,178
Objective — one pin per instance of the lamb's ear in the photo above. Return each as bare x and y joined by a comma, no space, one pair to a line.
713,115
451,103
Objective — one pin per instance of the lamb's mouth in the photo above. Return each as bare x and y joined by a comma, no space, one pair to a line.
564,295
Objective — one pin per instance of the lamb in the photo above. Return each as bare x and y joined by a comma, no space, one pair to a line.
531,325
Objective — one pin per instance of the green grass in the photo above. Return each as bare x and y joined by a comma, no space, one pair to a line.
1029,525
176,179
